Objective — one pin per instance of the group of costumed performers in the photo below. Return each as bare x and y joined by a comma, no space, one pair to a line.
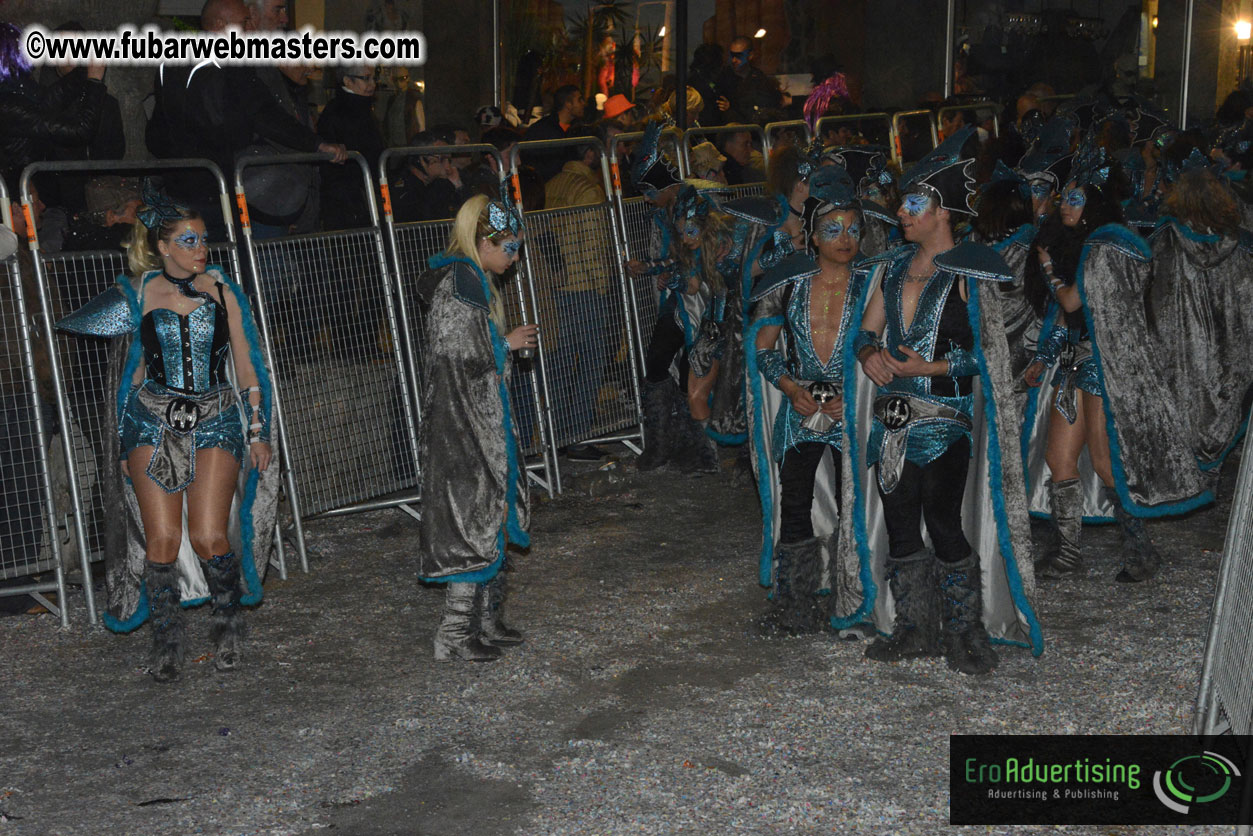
474,484
194,516
897,364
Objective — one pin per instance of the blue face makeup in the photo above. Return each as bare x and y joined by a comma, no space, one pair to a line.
836,228
691,231
915,203
1076,198
512,248
189,240
1039,191
875,193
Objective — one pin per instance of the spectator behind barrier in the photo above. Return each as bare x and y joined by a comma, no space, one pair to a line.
581,350
746,94
348,119
707,163
109,215
221,113
568,107
423,191
484,178
744,163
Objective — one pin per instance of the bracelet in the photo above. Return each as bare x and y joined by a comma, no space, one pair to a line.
1046,265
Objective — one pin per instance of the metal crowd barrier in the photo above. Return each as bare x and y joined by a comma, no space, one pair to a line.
917,122
30,538
410,245
576,265
1225,699
874,128
327,317
79,365
793,131
635,225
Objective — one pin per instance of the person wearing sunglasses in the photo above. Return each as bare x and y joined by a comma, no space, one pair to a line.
474,483
194,414
348,120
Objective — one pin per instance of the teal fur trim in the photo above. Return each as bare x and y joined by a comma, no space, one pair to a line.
1111,429
478,575
1122,239
256,355
765,569
137,618
1004,541
1022,235
726,439
1184,230
869,591
1040,515
252,583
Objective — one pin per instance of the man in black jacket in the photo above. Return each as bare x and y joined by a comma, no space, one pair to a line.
746,93
568,106
349,120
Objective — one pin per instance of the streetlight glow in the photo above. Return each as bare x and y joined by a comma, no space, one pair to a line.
1243,30
761,33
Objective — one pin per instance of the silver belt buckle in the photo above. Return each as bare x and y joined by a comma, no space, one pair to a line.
897,413
182,415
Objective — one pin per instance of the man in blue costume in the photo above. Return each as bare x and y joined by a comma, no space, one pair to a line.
934,346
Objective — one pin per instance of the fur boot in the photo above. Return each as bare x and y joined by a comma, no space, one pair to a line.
796,608
1140,558
915,633
699,453
169,633
491,597
226,620
1066,505
659,400
965,640
458,633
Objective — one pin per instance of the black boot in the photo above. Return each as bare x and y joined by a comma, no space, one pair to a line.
699,453
226,620
658,402
1066,504
965,640
166,615
458,633
796,609
491,598
1140,558
915,633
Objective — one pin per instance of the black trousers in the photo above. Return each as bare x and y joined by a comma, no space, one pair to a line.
931,494
797,476
666,342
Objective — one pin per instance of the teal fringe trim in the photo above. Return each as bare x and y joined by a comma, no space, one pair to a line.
1111,232
997,487
765,568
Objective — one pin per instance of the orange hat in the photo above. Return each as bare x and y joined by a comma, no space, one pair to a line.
617,105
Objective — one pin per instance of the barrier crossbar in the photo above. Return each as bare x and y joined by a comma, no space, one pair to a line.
793,131
874,128
30,536
911,119
577,278
326,314
410,246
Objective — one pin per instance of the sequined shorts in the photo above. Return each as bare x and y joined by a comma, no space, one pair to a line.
140,428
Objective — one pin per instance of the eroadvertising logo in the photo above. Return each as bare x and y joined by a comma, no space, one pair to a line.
1096,779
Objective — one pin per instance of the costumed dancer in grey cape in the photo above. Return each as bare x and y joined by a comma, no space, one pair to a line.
474,490
187,432
802,313
1202,303
669,434
934,375
1101,384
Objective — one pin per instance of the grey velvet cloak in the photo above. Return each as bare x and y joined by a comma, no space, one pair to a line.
1201,300
474,490
117,313
1155,471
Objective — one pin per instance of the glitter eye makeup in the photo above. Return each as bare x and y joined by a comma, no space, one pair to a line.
1076,198
916,203
831,231
1039,191
512,248
691,231
190,240
854,232
875,193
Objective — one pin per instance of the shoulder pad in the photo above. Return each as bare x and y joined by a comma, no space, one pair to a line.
467,280
111,314
885,257
1021,237
977,261
1122,239
792,268
755,208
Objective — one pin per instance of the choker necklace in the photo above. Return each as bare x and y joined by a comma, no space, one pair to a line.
186,286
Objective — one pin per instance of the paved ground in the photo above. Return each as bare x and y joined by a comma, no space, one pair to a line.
639,704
